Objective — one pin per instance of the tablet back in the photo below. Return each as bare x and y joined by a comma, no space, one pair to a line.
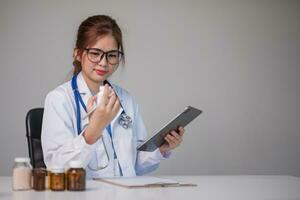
184,118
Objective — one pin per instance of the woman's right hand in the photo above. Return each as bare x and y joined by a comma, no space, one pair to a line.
103,114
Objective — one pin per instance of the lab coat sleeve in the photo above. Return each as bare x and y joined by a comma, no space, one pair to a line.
146,161
60,141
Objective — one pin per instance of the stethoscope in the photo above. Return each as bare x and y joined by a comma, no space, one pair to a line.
125,121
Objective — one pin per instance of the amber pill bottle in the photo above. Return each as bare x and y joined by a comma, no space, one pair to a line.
39,179
76,176
57,179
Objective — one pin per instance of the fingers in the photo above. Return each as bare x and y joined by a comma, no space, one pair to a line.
114,103
176,135
116,106
90,103
111,101
174,139
109,104
181,131
111,92
171,143
109,97
105,97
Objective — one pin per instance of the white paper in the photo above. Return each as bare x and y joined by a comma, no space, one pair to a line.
140,181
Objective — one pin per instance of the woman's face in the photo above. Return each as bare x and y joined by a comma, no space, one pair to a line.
95,66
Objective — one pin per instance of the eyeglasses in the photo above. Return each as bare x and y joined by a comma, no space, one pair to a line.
95,55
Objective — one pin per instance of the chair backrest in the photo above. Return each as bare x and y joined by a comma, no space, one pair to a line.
34,119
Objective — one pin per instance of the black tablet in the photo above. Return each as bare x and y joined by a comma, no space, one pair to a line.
181,119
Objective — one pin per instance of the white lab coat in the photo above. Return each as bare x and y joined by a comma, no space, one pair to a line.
61,143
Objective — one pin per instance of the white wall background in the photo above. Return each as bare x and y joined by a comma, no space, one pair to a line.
237,60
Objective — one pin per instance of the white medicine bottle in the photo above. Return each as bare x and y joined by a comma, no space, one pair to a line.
100,94
22,170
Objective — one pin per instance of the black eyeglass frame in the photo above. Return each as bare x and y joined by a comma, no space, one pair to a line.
105,53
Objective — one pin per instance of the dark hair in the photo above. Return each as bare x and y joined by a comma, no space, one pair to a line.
89,32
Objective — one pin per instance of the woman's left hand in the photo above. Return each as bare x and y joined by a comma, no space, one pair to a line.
173,140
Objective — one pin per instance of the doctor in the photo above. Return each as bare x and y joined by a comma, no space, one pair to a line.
105,142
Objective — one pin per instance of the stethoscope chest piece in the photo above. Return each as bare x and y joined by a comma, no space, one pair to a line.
125,121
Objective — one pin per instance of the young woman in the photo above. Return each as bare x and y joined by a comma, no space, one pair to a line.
106,141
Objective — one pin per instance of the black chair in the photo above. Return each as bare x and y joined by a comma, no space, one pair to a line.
34,119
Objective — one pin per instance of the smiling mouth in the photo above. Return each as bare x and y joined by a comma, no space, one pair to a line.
101,72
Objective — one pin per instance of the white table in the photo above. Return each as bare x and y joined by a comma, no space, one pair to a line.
209,187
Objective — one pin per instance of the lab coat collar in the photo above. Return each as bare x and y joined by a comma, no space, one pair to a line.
83,88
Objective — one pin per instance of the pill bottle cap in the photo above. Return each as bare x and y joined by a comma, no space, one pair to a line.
22,159
75,164
57,169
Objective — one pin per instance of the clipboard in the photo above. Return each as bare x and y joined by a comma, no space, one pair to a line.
143,182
